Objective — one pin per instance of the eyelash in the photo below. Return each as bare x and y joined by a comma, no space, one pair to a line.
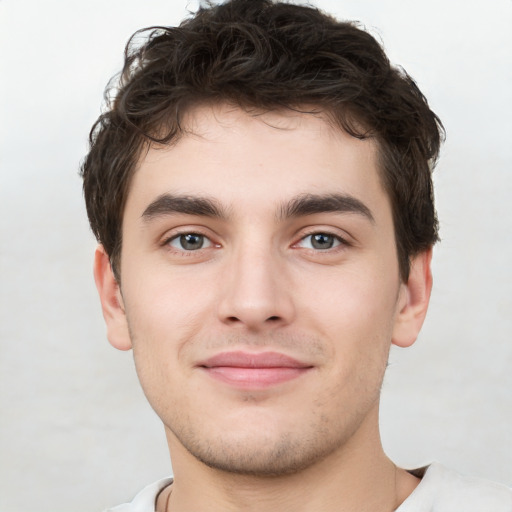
339,242
176,236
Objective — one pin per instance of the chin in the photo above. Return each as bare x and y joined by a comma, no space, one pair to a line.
263,454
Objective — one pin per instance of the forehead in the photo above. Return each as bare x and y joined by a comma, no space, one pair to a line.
257,159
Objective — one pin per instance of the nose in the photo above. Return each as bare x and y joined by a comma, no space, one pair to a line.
256,293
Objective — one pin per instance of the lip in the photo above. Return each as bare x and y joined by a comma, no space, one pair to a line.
248,370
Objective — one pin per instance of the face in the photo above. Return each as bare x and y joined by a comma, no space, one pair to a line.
260,288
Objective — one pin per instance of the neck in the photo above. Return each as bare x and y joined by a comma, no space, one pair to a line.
358,476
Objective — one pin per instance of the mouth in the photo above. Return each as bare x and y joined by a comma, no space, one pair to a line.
248,370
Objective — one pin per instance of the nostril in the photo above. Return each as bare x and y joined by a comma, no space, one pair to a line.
273,318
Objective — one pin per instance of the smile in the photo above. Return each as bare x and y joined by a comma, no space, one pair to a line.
253,371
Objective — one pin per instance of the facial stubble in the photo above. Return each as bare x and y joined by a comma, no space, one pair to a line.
269,452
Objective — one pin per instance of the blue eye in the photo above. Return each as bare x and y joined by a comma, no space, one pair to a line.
320,241
190,242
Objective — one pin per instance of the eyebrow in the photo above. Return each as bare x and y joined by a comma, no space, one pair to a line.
311,204
300,206
169,204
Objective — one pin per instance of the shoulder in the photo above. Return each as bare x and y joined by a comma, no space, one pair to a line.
145,500
444,490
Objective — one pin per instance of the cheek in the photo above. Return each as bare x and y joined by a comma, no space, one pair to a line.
164,317
168,300
355,312
354,302
162,326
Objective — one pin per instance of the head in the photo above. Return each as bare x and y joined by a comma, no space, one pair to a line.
263,56
261,189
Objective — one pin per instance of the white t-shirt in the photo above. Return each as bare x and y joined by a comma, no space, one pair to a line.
440,490
444,490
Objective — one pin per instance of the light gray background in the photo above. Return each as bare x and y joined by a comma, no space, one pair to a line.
75,431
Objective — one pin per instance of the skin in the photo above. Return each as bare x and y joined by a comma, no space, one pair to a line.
261,283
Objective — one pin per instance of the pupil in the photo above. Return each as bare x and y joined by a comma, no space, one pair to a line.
322,241
191,241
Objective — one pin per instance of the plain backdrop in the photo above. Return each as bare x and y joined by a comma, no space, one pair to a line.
76,433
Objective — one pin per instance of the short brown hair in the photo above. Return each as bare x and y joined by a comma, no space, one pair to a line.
260,54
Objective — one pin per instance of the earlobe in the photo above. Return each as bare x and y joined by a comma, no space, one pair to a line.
413,301
111,301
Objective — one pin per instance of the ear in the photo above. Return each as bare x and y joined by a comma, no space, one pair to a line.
413,301
111,301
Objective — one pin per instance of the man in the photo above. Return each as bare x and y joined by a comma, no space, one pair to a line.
261,190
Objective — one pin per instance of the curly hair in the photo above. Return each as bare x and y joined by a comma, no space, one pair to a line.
265,55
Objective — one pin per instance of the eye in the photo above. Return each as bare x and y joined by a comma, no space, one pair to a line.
320,241
190,242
